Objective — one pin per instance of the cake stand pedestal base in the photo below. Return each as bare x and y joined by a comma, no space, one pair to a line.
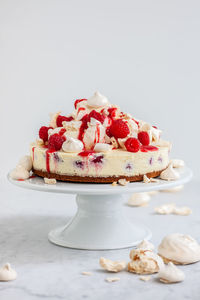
99,224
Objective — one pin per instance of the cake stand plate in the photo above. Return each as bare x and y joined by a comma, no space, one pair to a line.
99,223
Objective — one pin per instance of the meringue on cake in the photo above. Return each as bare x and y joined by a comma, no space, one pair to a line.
98,143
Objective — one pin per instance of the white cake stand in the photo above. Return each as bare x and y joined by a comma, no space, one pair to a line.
99,223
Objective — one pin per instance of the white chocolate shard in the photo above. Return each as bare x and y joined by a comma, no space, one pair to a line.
112,266
139,199
50,180
7,273
170,274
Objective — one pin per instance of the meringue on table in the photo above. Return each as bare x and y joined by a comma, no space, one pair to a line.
7,273
139,199
180,249
170,274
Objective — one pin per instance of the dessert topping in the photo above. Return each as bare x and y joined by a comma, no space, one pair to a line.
97,100
102,147
43,133
56,141
143,137
72,145
132,145
112,266
119,129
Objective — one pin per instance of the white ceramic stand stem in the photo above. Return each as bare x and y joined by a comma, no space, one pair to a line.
99,224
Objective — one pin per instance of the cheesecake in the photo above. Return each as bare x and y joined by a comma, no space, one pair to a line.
98,143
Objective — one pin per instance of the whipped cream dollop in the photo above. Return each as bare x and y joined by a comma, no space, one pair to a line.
179,248
170,274
177,163
97,100
7,273
102,147
144,262
19,173
169,173
139,199
145,245
26,162
72,145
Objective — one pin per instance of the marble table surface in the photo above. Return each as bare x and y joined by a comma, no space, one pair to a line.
46,271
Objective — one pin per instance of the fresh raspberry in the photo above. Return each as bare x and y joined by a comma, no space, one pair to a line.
108,132
143,137
132,145
60,119
43,133
96,115
55,142
78,101
112,112
119,129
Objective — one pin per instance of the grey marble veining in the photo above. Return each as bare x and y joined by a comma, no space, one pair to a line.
46,271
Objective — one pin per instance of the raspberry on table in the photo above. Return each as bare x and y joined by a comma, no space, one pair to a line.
143,137
132,145
43,133
119,129
55,142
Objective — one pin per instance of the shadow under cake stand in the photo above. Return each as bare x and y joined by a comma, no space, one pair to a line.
99,223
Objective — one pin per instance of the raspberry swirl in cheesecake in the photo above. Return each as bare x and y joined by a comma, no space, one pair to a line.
98,143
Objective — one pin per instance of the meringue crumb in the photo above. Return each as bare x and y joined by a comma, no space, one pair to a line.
171,208
114,183
145,278
112,266
7,273
86,273
50,180
123,182
146,179
112,279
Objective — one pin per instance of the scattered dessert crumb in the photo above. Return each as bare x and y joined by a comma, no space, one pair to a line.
144,262
170,274
7,273
139,199
86,273
123,182
112,266
114,183
171,208
146,179
145,278
112,279
174,190
177,163
50,180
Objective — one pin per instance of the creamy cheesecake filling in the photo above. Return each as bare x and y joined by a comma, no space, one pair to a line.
102,164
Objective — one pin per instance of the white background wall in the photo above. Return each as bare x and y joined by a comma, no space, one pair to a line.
143,55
